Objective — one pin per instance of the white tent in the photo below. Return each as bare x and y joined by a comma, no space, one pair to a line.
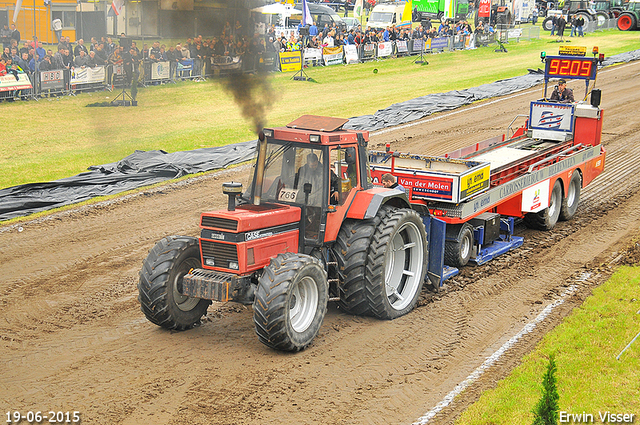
276,9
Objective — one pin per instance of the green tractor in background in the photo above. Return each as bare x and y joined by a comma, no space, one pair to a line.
629,18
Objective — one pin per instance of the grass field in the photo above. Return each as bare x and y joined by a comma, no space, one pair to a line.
51,139
586,344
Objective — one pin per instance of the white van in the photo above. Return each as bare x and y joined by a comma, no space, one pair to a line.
387,14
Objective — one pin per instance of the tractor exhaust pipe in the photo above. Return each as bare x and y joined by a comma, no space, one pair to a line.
262,154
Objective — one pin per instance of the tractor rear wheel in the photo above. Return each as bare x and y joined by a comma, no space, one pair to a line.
570,203
548,217
601,19
290,302
382,263
547,24
160,284
626,22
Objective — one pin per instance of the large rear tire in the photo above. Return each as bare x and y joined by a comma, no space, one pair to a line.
290,302
626,22
571,201
547,24
548,217
601,19
160,284
397,264
382,263
457,253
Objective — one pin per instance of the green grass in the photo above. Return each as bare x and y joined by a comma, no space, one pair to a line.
586,344
48,140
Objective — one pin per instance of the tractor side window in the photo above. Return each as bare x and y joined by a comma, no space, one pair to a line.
343,176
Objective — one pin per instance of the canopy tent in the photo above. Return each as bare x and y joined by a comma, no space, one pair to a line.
276,9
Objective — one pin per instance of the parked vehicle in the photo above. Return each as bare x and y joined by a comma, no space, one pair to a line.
321,15
385,15
629,19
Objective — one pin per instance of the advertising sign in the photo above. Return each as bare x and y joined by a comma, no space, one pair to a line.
312,55
484,9
332,55
51,80
87,75
439,43
351,53
475,182
536,197
418,45
368,51
9,83
551,116
402,46
429,187
385,49
160,71
290,61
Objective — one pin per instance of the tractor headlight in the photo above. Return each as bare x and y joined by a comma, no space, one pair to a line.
234,265
210,262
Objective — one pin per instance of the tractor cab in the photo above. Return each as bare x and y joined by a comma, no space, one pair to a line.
311,164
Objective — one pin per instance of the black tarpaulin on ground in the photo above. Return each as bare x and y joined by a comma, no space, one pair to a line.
144,168
136,170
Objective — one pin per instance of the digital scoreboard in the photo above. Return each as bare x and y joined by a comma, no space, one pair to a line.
570,67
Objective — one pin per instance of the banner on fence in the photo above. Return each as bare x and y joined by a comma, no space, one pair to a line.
332,55
402,46
458,42
9,83
268,61
290,61
118,75
312,55
368,51
87,75
185,65
439,43
514,33
385,49
160,70
470,42
351,53
417,45
52,80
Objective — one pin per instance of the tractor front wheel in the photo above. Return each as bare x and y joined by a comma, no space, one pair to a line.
290,302
160,284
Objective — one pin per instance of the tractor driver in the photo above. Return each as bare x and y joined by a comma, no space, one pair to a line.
311,172
561,93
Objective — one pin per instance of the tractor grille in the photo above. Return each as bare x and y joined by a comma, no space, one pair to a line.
222,253
219,223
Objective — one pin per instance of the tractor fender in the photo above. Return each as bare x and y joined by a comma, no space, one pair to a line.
367,202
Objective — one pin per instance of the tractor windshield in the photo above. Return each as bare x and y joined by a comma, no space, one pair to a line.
294,174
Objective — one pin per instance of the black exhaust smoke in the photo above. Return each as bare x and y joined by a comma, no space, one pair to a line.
250,87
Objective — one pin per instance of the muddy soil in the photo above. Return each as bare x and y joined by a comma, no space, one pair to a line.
73,338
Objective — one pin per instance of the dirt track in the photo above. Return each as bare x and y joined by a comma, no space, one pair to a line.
73,337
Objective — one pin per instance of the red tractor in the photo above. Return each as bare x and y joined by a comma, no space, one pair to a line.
313,228
310,229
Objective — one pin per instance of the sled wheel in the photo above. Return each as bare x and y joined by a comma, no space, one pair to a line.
570,203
